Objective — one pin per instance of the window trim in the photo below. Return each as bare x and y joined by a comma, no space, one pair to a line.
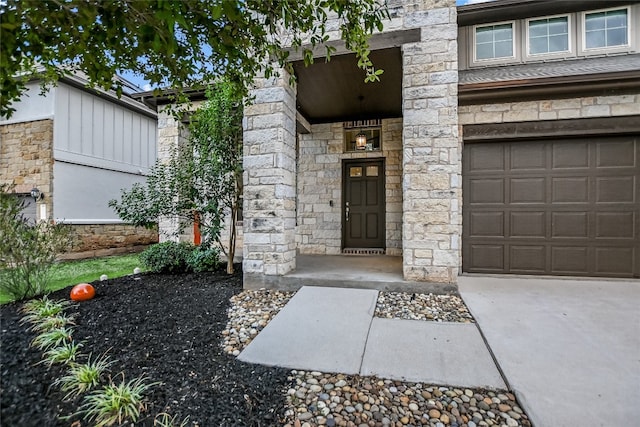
607,49
560,54
503,59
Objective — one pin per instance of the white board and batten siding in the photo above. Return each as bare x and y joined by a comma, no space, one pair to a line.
100,147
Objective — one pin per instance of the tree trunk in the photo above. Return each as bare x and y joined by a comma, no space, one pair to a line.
232,240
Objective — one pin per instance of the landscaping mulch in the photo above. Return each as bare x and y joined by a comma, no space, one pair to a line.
165,327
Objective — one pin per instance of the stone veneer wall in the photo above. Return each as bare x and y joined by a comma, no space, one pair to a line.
171,133
432,205
320,156
555,109
26,159
92,237
269,180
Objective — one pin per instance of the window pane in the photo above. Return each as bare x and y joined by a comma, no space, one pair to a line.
595,39
484,51
355,171
504,49
595,21
558,25
494,41
503,32
537,28
372,170
617,18
617,37
538,45
558,43
484,35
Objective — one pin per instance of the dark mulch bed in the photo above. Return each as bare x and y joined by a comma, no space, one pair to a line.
165,327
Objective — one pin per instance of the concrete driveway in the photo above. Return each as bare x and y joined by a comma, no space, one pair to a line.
570,349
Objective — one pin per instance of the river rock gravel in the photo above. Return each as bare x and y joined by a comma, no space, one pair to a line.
416,306
321,399
248,313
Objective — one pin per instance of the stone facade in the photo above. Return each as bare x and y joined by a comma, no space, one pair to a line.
26,160
92,237
554,109
432,208
171,133
423,163
320,154
270,180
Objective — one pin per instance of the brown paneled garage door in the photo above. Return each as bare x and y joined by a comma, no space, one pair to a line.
557,207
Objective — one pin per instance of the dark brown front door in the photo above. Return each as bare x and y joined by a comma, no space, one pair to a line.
363,207
559,207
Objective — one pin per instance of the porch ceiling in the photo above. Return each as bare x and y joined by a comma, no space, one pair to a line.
331,91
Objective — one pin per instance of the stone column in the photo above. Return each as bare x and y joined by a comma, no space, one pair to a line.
269,249
431,148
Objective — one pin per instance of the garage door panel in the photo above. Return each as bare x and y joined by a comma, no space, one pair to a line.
570,155
577,213
572,260
486,224
487,191
486,159
486,257
615,225
618,154
528,224
527,190
614,261
569,225
615,189
528,259
528,157
570,190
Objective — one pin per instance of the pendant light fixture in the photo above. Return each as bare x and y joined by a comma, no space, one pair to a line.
361,137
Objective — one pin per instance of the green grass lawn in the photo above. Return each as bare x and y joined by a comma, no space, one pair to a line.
69,273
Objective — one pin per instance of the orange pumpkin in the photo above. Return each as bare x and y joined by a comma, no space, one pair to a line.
82,292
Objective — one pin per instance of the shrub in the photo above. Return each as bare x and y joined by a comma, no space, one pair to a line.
84,377
27,250
116,403
167,257
202,259
65,353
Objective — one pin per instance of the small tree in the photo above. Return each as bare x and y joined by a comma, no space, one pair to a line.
202,177
27,250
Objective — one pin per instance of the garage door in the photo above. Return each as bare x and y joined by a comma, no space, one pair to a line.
561,207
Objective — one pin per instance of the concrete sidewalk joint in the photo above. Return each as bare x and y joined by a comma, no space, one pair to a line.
334,330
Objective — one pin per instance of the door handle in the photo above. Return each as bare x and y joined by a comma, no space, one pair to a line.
346,212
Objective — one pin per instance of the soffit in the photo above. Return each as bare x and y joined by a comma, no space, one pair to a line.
335,91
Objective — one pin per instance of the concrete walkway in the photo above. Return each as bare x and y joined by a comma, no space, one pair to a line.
333,330
570,349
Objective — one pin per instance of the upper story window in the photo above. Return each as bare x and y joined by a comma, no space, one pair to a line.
607,28
548,35
494,41
611,31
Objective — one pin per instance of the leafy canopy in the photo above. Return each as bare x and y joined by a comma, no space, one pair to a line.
177,44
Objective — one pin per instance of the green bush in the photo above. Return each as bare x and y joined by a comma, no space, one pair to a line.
27,250
202,259
167,257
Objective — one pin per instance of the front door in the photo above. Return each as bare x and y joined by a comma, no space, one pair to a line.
363,210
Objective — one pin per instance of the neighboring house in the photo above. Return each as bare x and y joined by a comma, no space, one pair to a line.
504,137
79,147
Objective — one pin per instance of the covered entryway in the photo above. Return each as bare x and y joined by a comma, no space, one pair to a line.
363,222
557,207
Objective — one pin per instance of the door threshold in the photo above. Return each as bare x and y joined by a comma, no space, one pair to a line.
363,251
